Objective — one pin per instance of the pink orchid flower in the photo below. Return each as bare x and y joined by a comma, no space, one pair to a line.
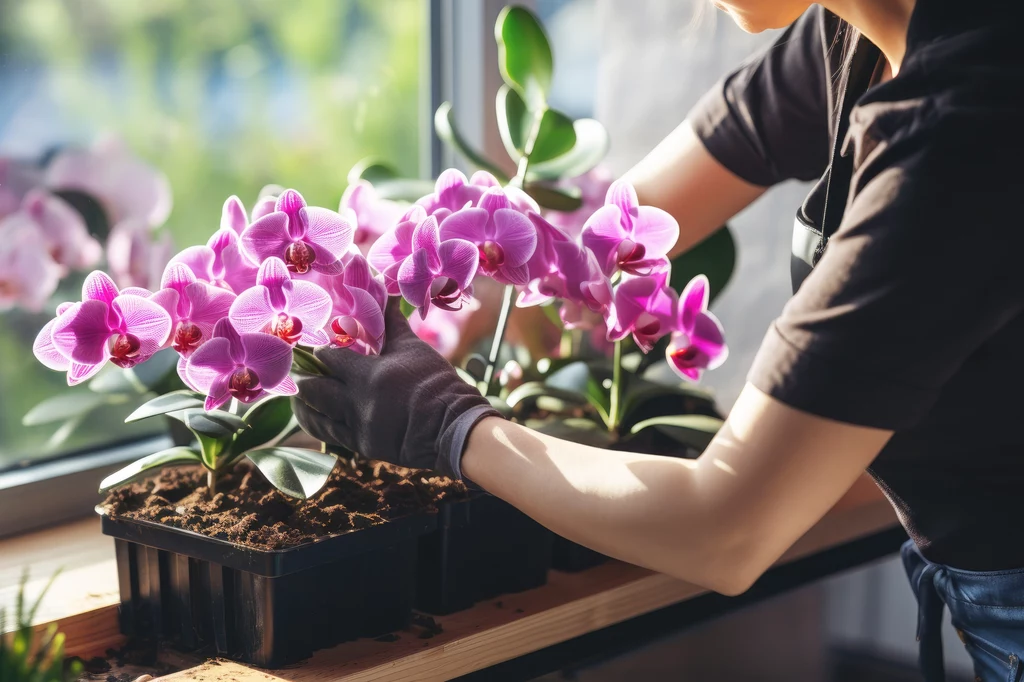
394,246
135,257
628,237
233,216
242,366
358,299
64,232
442,329
438,273
194,306
125,328
125,186
28,275
304,237
221,262
698,342
453,192
295,311
644,307
505,238
593,186
16,179
374,216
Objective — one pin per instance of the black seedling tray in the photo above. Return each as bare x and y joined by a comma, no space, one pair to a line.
267,608
483,547
572,557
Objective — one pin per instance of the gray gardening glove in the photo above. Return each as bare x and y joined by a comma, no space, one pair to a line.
406,406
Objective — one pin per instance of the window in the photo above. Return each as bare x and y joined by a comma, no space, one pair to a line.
223,98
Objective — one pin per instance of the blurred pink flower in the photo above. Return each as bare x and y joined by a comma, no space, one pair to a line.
698,342
136,257
125,186
442,329
241,366
28,275
593,186
65,234
16,179
373,216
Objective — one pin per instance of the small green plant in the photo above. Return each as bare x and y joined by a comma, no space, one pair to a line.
223,438
30,656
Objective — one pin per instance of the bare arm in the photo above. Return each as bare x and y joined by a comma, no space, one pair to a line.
719,521
680,176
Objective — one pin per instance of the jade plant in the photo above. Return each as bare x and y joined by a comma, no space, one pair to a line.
244,313
30,655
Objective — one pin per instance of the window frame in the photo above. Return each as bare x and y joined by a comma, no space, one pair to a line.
459,65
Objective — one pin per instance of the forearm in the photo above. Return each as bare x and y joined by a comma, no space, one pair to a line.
680,176
718,521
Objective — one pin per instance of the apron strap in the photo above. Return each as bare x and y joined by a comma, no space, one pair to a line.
929,611
840,170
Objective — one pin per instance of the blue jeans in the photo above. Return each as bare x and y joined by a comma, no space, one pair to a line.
987,609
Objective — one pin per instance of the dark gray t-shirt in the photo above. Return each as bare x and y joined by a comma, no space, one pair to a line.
913,319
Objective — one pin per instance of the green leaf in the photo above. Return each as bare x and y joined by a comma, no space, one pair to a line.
63,432
211,448
113,379
263,423
564,199
407,308
531,390
215,423
164,404
500,405
160,459
555,137
373,170
592,143
714,257
65,406
466,376
514,121
524,54
296,472
448,131
693,430
303,360
153,371
583,431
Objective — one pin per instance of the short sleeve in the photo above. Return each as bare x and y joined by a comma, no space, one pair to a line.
768,121
922,272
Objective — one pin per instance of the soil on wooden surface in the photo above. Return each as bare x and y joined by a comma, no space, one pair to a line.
247,510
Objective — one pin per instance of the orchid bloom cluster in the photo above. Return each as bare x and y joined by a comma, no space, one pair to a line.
43,237
615,272
234,308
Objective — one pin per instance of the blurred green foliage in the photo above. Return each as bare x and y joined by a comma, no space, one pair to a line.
225,97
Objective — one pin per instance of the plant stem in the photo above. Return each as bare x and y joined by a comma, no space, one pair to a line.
499,337
616,392
211,482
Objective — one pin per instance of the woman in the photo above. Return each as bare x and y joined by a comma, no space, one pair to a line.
898,353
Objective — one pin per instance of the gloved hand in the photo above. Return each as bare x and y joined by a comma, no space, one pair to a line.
406,406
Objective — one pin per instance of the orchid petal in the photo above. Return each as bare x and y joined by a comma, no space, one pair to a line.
208,363
518,275
286,387
427,235
268,356
357,273
693,302
219,393
224,329
290,202
266,237
310,303
494,199
81,332
233,216
602,234
622,195
144,319
469,224
79,372
656,230
99,287
252,310
482,178
177,276
415,277
459,260
392,247
516,235
264,206
46,352
208,305
329,230
273,273
198,259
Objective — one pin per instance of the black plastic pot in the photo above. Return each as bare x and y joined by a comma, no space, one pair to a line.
267,608
483,547
571,557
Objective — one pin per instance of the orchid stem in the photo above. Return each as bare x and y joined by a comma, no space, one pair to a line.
499,337
211,482
616,392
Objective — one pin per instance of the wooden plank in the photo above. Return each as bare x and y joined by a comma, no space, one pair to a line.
570,605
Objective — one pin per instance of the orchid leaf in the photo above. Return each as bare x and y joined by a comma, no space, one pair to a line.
296,472
555,137
692,430
714,257
583,431
305,361
407,308
211,448
448,131
178,455
372,170
500,405
532,390
68,405
63,432
514,121
592,143
565,199
112,379
151,372
215,423
263,423
466,376
165,404
524,54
